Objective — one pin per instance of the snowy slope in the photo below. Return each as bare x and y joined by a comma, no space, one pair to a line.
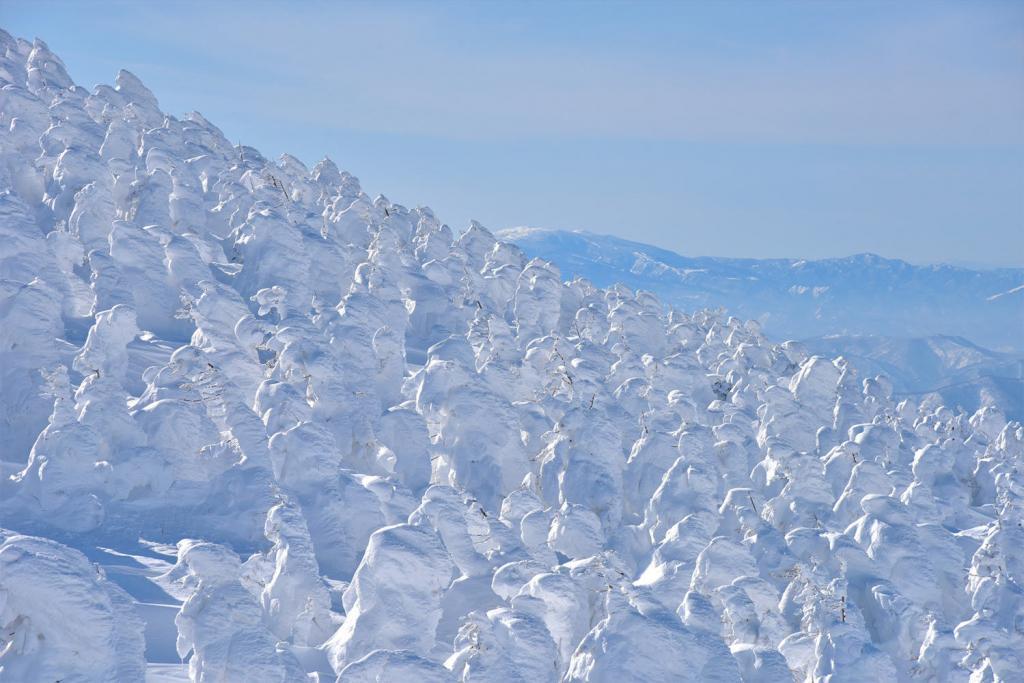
908,322
797,299
962,373
256,421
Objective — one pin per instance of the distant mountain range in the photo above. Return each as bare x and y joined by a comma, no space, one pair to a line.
927,327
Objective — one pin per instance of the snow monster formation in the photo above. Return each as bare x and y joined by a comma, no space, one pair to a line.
385,451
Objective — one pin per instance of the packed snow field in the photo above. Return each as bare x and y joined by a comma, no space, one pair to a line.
255,421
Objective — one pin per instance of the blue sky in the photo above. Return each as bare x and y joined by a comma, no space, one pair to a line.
764,129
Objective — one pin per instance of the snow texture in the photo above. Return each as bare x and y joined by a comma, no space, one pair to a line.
258,424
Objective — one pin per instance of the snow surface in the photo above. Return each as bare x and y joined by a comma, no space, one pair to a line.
257,426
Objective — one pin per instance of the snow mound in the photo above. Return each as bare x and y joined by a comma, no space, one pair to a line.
62,620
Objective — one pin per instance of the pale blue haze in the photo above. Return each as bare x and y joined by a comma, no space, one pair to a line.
753,129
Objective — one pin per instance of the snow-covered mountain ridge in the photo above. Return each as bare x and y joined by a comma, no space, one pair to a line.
800,299
908,322
256,420
961,373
